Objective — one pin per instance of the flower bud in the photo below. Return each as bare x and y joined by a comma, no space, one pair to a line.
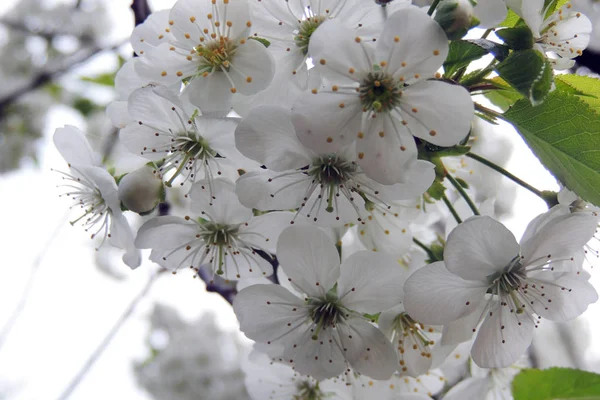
141,190
455,17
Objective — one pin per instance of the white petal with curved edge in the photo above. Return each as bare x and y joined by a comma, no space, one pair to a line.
478,248
326,122
490,13
165,66
321,358
151,32
566,298
165,232
252,67
153,106
264,312
371,282
502,338
470,388
435,296
263,231
268,136
217,200
264,190
437,112
385,149
411,43
309,258
74,147
336,50
219,88
561,237
367,349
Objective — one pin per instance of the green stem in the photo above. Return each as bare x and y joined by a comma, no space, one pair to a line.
464,194
452,210
433,7
425,248
507,174
489,112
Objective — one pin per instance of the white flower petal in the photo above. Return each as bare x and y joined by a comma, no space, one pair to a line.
252,67
309,258
435,296
421,47
165,232
264,312
367,349
502,338
490,13
385,149
74,147
268,136
263,231
321,358
326,122
437,112
371,282
336,50
217,200
219,88
478,248
566,298
151,33
561,237
470,388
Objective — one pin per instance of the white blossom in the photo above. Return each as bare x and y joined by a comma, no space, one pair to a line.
487,277
94,190
223,236
326,330
382,98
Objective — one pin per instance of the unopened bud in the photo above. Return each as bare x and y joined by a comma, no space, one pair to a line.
141,190
455,17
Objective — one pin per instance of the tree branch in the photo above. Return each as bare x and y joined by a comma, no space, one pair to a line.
141,11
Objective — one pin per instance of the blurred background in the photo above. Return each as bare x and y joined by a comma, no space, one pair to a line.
60,299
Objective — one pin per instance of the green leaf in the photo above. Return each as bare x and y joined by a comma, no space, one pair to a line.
517,38
505,96
107,79
85,106
499,51
564,133
460,55
556,384
585,87
529,73
511,20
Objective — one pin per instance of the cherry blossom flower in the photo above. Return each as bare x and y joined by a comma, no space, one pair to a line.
487,277
382,98
289,27
565,33
94,190
267,379
206,46
328,188
224,236
487,384
326,330
165,130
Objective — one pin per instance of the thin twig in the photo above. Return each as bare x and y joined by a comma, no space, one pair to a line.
51,73
18,310
107,339
141,11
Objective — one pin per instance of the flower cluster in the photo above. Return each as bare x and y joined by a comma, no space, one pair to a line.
333,177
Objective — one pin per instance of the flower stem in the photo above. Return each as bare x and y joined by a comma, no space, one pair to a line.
489,112
543,195
433,7
107,339
486,33
425,248
451,208
464,194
